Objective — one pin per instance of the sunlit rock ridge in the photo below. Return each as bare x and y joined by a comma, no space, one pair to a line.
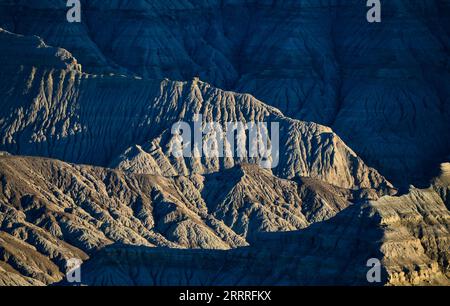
382,87
90,119
52,211
86,170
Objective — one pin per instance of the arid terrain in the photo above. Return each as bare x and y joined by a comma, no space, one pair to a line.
363,166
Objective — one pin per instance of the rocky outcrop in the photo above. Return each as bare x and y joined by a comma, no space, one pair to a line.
409,235
416,238
103,100
22,265
442,183
382,87
51,211
97,120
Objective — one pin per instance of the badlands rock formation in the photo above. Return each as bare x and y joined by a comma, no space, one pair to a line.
410,235
93,105
51,211
59,112
382,87
441,184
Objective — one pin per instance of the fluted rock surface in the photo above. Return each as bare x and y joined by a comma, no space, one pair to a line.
382,87
51,211
442,183
98,120
102,96
410,235
22,265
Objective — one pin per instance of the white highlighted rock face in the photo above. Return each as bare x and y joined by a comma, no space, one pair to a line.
383,88
89,119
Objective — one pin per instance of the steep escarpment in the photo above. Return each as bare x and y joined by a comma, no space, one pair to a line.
409,235
89,119
382,87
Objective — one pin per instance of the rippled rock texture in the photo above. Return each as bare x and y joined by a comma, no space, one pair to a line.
51,211
358,105
89,119
382,87
410,235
